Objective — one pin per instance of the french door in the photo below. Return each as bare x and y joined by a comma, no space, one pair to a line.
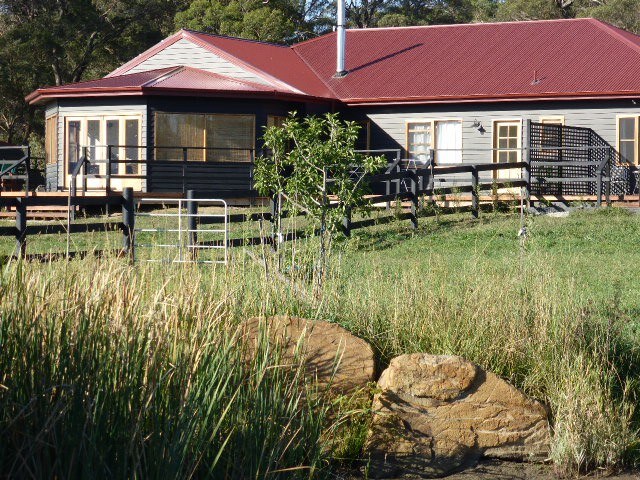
122,133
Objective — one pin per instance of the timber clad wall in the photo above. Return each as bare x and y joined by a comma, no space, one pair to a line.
99,108
207,176
389,124
188,54
52,170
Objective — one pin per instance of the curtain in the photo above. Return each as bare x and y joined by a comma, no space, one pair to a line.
419,141
448,142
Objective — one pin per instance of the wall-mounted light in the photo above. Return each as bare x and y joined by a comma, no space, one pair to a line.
478,124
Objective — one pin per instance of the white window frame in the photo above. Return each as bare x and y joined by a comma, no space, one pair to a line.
84,138
636,117
432,122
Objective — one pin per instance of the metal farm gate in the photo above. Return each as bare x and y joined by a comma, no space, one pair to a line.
575,161
182,231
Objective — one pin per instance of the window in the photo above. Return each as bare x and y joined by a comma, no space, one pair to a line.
551,137
73,144
447,141
628,138
217,138
419,141
559,120
275,120
51,140
507,142
122,133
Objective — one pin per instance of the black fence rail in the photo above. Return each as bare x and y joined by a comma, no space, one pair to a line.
22,230
406,186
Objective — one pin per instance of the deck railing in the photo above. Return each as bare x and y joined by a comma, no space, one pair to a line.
177,166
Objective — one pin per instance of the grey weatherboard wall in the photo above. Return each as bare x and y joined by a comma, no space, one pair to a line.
389,123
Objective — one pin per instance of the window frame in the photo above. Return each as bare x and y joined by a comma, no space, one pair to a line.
552,119
432,146
122,118
51,140
495,148
636,134
205,115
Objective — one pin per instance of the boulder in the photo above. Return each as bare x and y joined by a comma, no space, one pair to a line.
437,414
332,355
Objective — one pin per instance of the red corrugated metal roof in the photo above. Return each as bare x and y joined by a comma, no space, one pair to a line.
275,60
498,61
582,58
178,80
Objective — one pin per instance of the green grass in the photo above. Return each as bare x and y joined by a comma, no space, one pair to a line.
136,371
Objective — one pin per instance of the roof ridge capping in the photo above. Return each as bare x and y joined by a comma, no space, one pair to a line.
249,40
614,32
182,68
443,25
473,24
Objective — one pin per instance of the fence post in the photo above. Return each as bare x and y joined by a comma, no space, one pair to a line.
346,222
108,173
527,168
27,163
431,184
475,194
599,185
85,161
388,192
185,157
21,227
192,224
607,187
414,199
274,207
128,222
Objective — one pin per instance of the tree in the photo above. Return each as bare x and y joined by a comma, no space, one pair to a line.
312,165
239,18
45,42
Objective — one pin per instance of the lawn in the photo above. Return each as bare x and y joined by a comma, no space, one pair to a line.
134,370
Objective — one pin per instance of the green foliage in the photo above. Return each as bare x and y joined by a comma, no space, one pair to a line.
241,18
313,161
52,43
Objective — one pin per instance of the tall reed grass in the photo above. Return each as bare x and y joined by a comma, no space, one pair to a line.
118,371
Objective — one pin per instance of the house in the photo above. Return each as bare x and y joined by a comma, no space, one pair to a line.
190,111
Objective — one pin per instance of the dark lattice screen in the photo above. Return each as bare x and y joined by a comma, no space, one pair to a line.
581,146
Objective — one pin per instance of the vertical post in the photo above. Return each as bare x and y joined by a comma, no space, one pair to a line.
108,173
599,185
346,222
274,204
192,224
414,199
185,157
527,169
607,186
21,227
73,190
128,222
85,171
28,172
388,192
431,182
475,194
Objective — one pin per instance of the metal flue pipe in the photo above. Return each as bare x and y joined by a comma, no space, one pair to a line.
341,40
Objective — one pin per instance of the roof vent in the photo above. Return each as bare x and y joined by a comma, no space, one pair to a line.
341,41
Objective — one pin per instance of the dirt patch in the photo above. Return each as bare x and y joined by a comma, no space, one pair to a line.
500,470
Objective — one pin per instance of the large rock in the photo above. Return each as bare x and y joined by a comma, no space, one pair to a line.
437,414
332,355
